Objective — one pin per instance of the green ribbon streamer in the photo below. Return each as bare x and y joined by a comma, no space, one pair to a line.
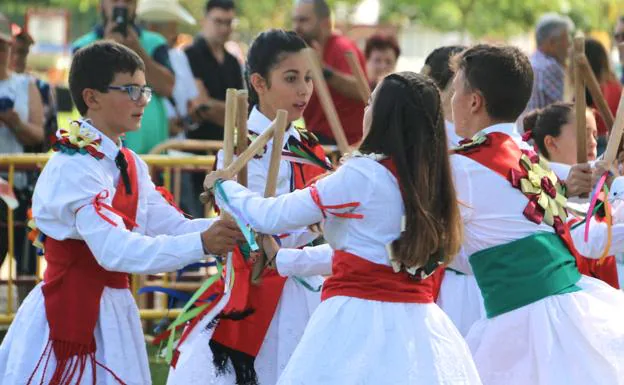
303,283
187,314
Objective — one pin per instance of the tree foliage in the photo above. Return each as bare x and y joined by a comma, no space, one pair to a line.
479,18
499,18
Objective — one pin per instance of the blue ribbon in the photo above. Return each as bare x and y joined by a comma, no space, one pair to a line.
244,227
173,293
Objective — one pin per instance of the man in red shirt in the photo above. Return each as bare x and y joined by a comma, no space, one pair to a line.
311,20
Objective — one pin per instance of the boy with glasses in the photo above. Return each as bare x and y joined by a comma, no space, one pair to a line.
102,219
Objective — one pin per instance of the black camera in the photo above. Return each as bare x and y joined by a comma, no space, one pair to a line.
6,104
120,17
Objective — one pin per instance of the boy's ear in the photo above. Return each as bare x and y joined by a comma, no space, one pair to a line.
91,98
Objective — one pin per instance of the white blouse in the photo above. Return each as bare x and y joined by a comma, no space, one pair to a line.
62,208
360,180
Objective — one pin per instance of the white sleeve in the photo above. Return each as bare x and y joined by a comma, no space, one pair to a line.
117,249
597,239
315,260
272,215
162,217
463,186
298,238
297,209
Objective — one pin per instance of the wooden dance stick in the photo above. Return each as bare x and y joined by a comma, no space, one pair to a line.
229,126
228,138
276,153
616,135
271,181
580,103
326,101
594,90
360,77
242,132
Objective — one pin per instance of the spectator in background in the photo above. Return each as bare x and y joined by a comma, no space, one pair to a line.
217,69
163,16
19,57
21,123
311,20
552,36
382,53
153,49
185,108
609,86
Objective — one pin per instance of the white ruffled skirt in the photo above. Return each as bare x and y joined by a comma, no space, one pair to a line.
118,337
568,339
460,298
352,341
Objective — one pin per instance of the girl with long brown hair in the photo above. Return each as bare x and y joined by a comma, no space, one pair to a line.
390,215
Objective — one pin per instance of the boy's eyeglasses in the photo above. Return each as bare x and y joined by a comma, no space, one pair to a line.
135,92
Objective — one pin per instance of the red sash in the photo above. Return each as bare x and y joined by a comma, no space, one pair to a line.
239,340
74,282
605,271
357,277
501,154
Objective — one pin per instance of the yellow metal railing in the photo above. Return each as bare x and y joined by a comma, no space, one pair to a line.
169,166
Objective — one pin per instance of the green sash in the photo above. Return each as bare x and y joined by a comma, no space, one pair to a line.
524,271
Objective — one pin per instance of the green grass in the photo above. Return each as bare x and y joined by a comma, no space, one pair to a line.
158,366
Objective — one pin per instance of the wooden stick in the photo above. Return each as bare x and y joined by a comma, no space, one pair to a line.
326,101
271,181
616,134
594,90
228,138
580,104
276,153
242,132
360,77
251,151
229,126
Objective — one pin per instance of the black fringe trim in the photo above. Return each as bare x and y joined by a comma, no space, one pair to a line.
233,315
242,363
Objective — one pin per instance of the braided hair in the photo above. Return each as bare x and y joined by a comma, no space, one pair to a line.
408,126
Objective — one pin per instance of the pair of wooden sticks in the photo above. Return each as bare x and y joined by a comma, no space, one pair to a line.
585,77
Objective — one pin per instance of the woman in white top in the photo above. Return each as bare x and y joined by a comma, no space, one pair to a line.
391,218
21,123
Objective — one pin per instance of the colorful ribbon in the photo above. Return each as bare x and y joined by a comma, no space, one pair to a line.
238,217
594,198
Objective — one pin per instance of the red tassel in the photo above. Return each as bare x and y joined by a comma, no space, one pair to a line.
71,362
